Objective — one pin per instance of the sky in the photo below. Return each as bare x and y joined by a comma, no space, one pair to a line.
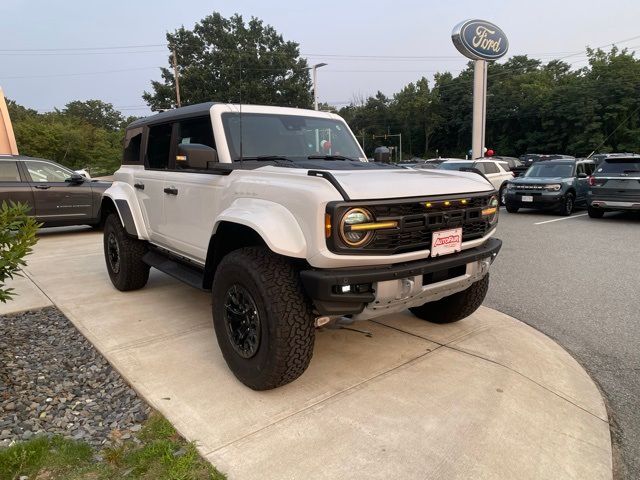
37,73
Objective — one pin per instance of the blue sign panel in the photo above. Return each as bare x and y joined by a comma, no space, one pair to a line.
480,40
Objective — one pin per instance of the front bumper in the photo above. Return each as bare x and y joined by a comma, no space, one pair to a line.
539,200
390,288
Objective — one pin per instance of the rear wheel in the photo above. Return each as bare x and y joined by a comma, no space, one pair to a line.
454,307
566,207
262,318
595,212
123,256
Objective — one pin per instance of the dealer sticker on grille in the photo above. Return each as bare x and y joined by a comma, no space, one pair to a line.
444,242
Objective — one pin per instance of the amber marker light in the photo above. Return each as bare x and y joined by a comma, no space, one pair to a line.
327,225
463,202
364,227
447,203
427,204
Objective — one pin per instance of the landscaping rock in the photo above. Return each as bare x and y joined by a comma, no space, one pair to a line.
52,380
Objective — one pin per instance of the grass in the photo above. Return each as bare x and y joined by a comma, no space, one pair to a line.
161,454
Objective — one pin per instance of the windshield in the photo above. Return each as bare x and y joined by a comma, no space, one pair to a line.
542,169
454,165
290,136
619,165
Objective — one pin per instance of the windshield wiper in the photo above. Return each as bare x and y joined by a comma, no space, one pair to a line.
264,158
330,157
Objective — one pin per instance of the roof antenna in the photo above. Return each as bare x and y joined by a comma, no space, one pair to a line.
240,62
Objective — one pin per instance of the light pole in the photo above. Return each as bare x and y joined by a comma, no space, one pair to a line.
315,83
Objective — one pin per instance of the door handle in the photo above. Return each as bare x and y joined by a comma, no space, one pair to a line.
43,187
171,191
139,186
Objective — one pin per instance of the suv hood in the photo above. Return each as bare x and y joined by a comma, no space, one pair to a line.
383,184
537,180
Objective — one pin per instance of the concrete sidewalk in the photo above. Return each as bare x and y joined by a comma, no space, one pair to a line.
487,397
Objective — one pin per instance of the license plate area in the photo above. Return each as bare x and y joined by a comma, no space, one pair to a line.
445,242
527,198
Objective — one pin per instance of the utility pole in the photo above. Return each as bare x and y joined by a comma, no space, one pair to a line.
176,78
315,83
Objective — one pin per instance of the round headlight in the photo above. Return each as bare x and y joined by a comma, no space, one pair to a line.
352,218
495,205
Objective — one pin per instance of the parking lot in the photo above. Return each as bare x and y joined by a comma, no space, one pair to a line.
576,279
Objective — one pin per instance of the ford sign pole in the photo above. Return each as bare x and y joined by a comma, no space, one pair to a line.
479,107
480,41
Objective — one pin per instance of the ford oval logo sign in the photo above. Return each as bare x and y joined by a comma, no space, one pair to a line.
480,40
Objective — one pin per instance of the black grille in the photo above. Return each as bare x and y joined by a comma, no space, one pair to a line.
416,222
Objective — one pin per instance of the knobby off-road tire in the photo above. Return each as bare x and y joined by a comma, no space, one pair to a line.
262,317
454,307
595,212
123,256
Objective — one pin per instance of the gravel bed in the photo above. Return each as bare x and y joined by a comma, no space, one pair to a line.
53,381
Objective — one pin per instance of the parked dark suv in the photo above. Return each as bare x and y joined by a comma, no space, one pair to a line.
551,185
58,196
615,185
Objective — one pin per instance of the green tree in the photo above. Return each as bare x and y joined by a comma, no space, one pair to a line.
17,238
228,60
95,112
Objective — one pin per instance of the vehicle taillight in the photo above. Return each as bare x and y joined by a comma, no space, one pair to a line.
592,181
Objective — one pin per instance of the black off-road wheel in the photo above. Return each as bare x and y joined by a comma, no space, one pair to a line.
595,212
454,307
123,256
511,208
567,205
262,317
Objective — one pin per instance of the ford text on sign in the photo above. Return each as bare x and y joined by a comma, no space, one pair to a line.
480,40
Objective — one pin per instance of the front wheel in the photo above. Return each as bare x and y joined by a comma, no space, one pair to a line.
454,307
566,207
123,256
503,194
512,208
262,318
595,212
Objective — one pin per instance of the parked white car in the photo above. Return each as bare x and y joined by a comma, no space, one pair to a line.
496,171
278,213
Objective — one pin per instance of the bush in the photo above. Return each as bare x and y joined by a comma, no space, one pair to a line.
17,237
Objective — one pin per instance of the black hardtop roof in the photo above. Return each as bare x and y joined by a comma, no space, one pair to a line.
198,109
568,161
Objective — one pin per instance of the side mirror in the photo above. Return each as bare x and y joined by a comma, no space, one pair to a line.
196,156
582,175
75,179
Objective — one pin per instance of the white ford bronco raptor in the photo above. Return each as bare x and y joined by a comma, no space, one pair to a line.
278,213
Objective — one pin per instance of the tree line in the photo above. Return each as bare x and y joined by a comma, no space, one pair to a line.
531,106
83,134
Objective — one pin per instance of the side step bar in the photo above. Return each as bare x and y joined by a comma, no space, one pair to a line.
188,274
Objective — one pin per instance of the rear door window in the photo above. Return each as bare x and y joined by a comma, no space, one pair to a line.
132,142
9,172
159,146
491,167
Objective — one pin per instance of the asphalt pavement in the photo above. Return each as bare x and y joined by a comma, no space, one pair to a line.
577,280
